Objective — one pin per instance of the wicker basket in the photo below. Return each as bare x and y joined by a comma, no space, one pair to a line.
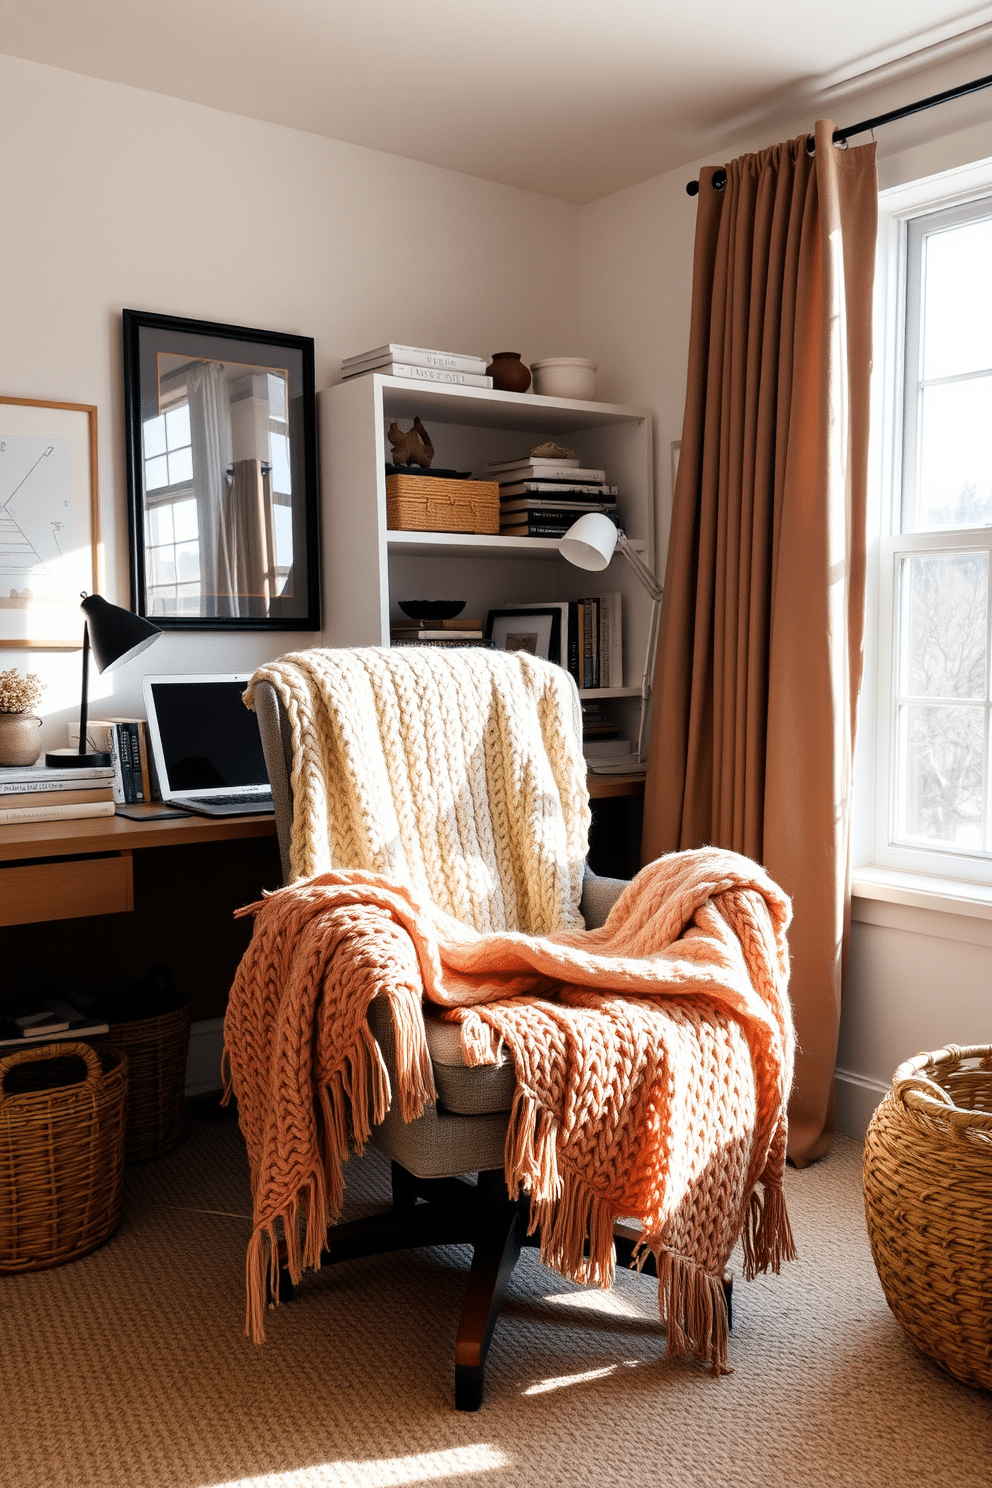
425,503
928,1201
157,1049
62,1115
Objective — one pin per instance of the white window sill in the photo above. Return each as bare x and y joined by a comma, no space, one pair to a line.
947,895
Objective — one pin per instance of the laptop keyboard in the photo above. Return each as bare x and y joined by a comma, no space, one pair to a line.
236,798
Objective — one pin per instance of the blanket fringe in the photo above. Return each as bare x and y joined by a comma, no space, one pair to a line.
415,1073
767,1235
264,1261
694,1310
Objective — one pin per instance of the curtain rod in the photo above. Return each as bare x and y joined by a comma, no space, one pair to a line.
720,176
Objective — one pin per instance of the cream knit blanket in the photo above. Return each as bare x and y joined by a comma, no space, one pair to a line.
653,1060
457,772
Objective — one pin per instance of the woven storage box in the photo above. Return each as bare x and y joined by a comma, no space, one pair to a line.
62,1116
426,503
928,1202
157,1049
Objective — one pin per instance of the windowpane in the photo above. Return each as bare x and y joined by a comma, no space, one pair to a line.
955,482
184,516
957,324
282,524
188,562
160,524
154,434
177,426
941,788
181,467
279,458
945,596
156,473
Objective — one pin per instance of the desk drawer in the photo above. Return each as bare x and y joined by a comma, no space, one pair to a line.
65,889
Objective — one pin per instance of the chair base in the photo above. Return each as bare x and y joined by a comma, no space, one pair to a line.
451,1211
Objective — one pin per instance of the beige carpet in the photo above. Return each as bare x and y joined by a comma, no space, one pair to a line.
130,1366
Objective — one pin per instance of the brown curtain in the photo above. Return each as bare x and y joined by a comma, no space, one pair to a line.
247,539
759,659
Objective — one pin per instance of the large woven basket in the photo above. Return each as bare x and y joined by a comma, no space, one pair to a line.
928,1202
157,1050
426,503
62,1115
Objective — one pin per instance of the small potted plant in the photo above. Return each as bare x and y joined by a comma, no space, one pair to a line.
19,743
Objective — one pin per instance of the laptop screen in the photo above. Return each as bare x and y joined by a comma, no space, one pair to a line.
203,736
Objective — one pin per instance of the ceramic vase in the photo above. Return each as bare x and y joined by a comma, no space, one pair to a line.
19,740
508,372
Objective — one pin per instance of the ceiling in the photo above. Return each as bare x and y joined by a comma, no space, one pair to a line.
571,98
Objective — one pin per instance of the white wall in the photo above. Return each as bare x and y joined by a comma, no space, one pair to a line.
114,197
917,979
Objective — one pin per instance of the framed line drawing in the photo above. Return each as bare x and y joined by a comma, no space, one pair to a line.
49,538
535,631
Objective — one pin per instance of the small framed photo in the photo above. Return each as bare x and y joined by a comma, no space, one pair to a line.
535,631
49,540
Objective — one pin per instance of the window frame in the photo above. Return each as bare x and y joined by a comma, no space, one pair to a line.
876,782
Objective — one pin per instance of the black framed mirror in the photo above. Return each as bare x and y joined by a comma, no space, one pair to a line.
222,475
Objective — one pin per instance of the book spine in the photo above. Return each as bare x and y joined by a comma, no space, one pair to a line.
80,782
560,473
408,356
438,374
130,756
534,529
558,490
535,462
542,513
55,813
63,798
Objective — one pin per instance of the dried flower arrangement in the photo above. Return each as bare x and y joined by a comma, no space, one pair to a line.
18,694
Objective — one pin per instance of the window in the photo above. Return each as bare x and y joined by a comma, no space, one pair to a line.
933,779
173,549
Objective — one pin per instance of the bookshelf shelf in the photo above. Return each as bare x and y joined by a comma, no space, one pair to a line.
368,568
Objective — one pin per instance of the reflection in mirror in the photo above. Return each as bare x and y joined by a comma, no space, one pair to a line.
222,469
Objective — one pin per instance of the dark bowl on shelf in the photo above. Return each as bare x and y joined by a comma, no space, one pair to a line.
432,609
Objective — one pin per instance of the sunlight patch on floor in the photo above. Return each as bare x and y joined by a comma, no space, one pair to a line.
385,1472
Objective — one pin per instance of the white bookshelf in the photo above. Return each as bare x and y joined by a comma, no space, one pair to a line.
367,569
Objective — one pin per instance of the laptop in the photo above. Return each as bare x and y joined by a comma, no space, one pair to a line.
205,744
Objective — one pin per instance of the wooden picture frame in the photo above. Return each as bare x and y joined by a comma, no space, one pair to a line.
49,521
222,475
537,631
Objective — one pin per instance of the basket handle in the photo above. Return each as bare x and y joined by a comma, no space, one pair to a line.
912,1085
86,1052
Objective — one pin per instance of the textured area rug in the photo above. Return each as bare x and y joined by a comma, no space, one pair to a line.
129,1368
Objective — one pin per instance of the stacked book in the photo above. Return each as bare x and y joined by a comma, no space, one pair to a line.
52,1019
541,496
126,741
419,365
55,793
456,632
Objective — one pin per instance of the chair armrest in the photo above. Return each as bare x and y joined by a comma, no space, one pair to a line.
598,897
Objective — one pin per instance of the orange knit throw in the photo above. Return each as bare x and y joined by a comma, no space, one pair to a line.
653,1059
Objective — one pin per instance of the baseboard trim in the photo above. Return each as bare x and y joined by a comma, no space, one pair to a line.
857,1100
206,1043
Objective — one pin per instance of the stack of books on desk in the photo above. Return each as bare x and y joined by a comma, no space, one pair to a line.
542,496
419,364
46,793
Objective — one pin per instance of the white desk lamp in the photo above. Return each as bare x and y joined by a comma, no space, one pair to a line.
590,543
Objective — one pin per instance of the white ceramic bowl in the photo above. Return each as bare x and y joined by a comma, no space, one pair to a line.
565,377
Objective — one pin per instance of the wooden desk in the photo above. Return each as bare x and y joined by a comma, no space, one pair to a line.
601,786
60,870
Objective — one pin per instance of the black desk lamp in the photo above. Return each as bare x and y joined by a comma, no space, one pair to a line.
115,636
